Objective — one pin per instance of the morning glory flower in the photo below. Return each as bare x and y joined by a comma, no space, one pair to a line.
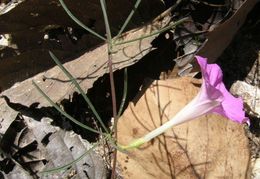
213,97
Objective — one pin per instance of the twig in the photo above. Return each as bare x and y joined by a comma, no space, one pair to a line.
112,83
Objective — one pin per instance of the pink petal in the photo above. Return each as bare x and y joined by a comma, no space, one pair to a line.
231,107
214,89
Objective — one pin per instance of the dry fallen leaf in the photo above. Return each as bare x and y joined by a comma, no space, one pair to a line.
208,147
221,36
31,146
32,28
218,37
86,69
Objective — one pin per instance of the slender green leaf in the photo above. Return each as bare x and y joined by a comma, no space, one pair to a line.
63,112
124,93
68,74
154,33
79,22
128,18
64,167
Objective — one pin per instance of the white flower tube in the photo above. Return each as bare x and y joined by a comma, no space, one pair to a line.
212,97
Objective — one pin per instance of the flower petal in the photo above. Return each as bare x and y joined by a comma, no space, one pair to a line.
213,88
231,107
211,73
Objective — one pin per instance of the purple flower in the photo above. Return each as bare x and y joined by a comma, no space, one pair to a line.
213,89
213,97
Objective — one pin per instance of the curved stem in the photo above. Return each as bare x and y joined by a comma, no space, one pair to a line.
124,93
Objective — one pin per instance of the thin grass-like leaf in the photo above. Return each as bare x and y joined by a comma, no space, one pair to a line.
156,32
128,18
124,93
79,22
63,112
68,74
169,10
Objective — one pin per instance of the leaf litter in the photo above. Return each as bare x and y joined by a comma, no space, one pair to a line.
54,81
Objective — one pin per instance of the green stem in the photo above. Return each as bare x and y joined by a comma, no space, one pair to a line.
112,83
108,31
133,145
